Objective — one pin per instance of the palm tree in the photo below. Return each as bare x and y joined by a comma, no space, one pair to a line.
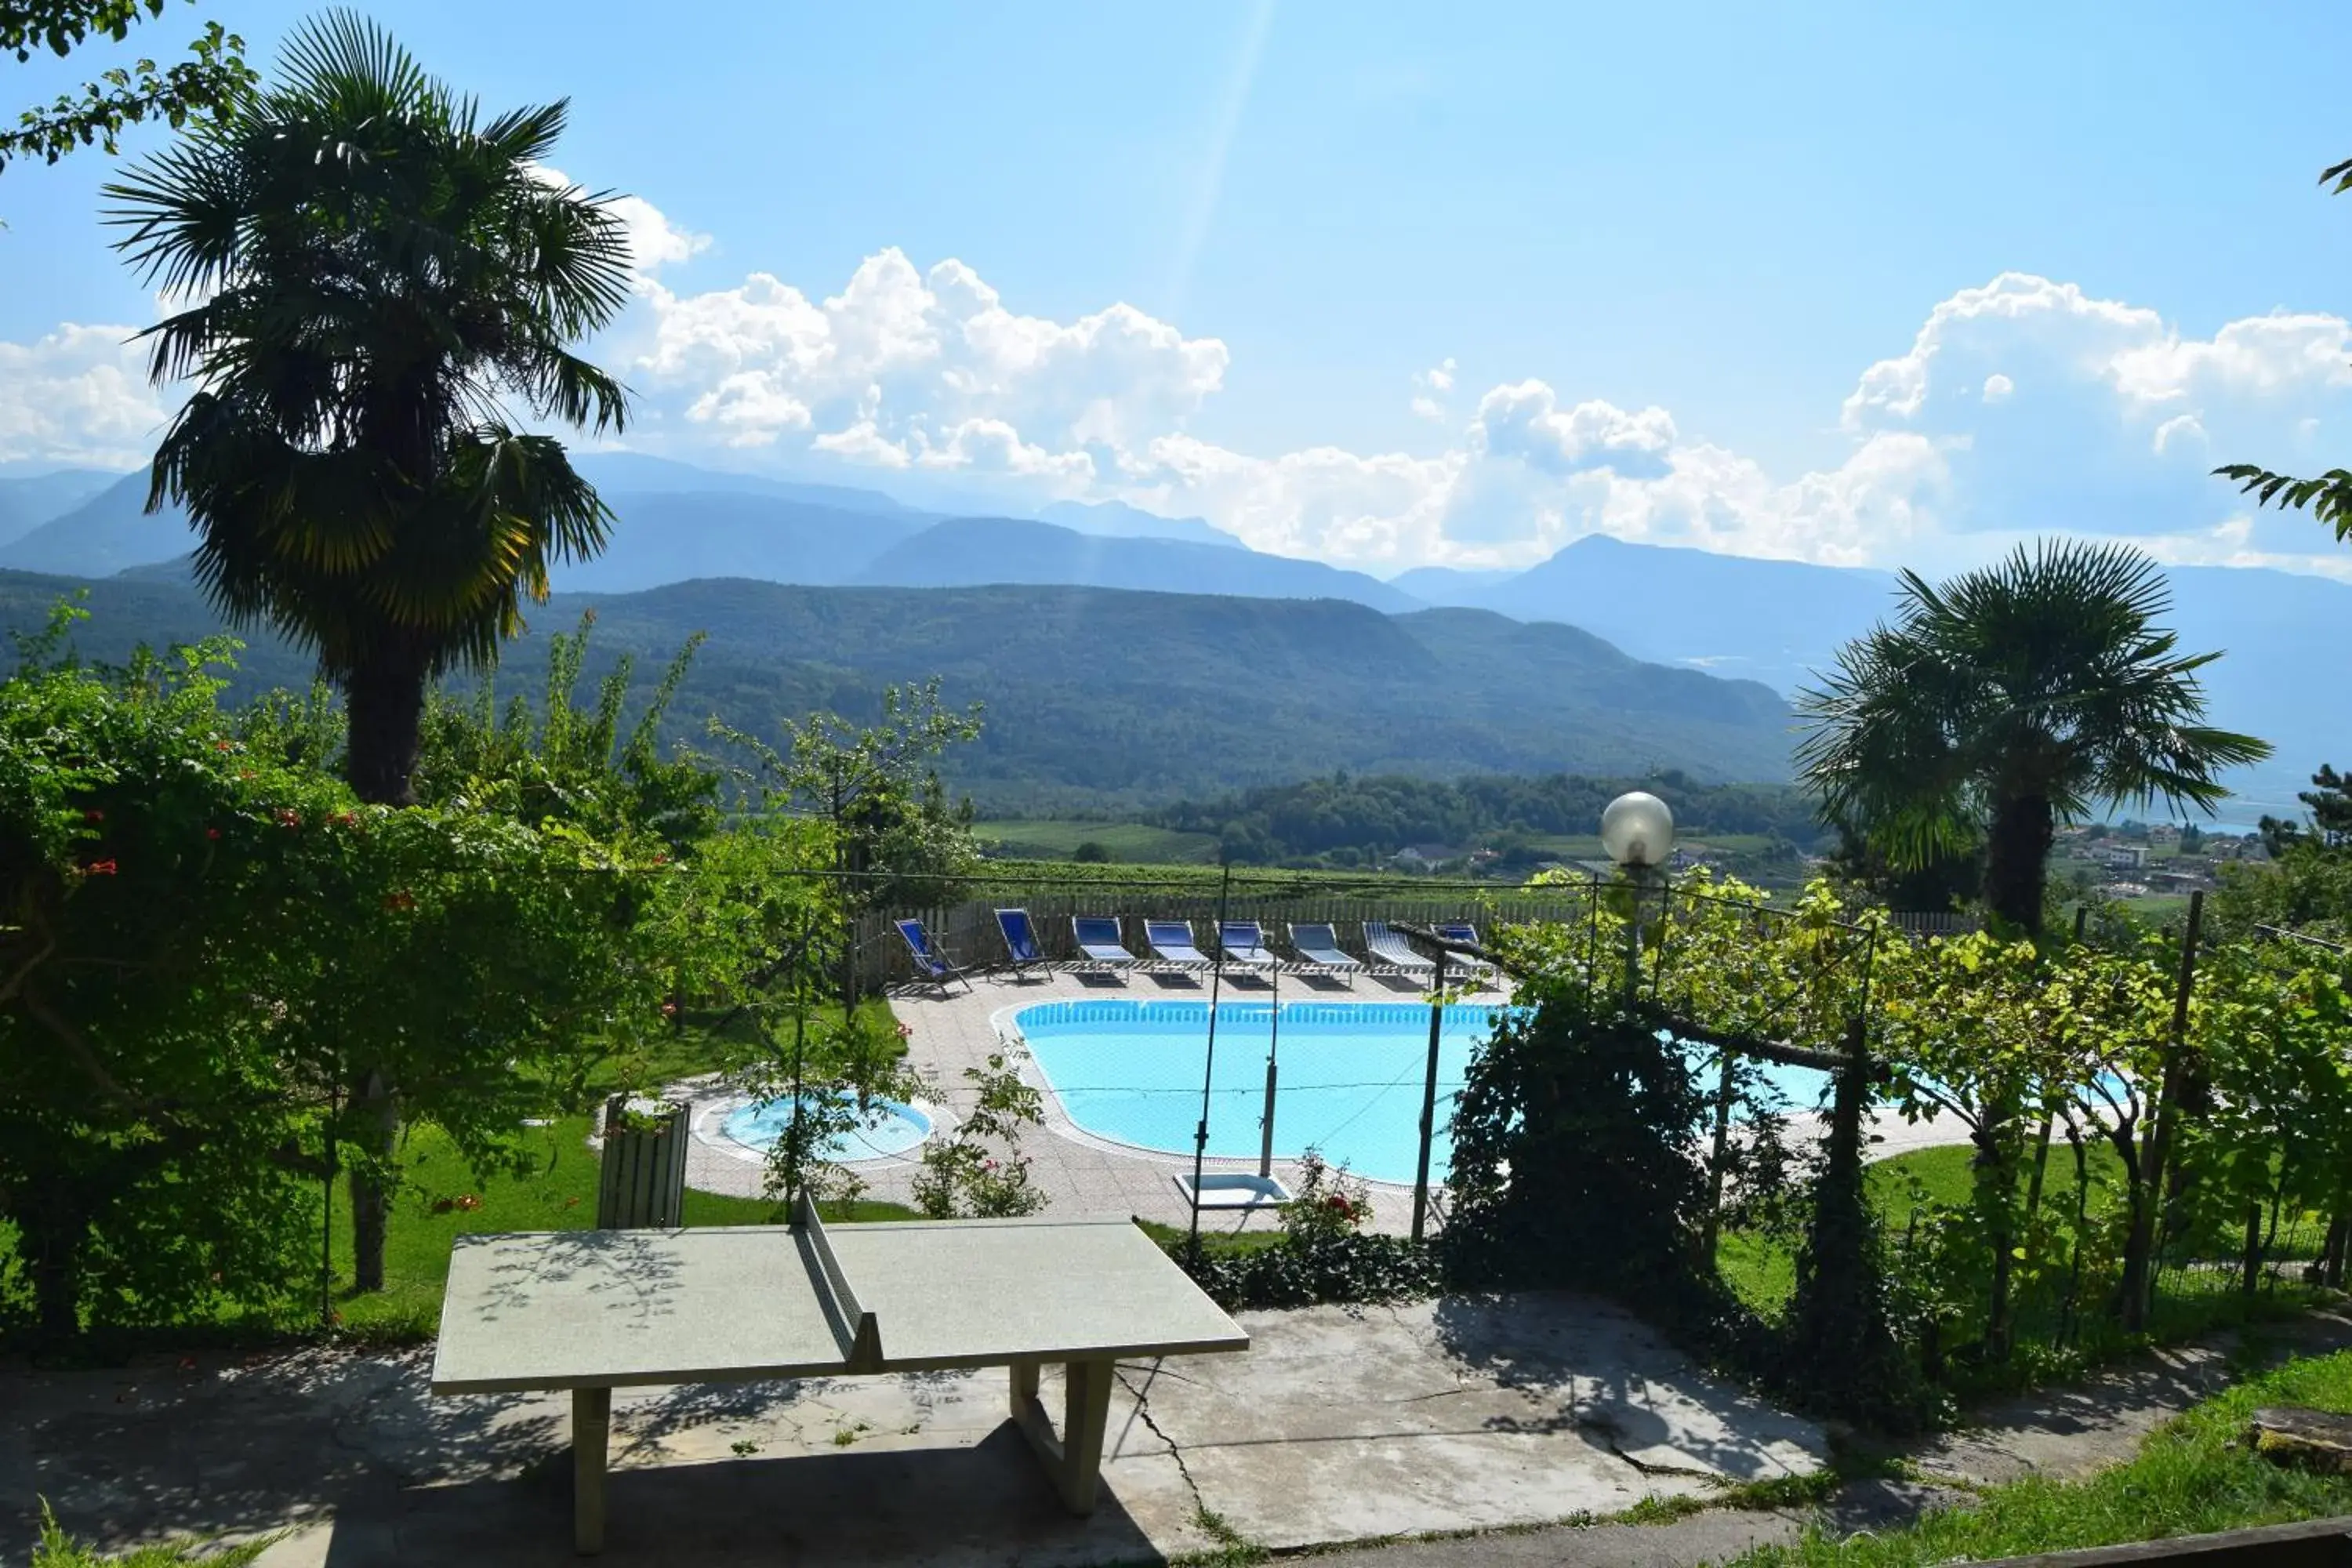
2008,700
373,275
377,275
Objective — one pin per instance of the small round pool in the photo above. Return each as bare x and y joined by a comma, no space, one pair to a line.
886,1128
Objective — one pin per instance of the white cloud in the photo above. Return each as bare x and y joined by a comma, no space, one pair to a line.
918,355
654,242
2179,428
1434,387
79,395
2020,406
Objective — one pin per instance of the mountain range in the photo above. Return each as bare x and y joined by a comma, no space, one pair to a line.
1100,698
1771,621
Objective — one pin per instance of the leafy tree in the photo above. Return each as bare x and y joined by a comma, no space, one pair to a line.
212,79
2329,799
2008,700
147,1125
877,796
1091,852
377,271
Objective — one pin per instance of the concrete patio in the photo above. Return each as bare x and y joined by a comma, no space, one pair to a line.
1340,1425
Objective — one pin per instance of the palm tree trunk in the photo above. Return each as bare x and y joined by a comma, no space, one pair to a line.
2017,855
385,699
375,1116
385,696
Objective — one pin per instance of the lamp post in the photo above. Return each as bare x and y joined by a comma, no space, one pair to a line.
1637,829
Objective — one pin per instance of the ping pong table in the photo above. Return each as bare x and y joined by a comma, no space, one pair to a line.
594,1310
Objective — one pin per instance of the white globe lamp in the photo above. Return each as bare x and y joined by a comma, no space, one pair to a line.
1638,830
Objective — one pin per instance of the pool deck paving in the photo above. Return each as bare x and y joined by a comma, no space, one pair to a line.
1081,1173
1340,1425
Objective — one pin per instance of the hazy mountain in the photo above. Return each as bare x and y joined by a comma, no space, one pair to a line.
30,499
1778,621
1099,697
1117,520
101,536
637,472
669,537
969,550
1450,585
1765,620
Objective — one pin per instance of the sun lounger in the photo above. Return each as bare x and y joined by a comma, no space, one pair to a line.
931,960
1100,945
1243,943
1170,942
1478,967
1020,941
1391,954
1319,950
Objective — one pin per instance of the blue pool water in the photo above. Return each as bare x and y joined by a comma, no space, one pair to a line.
887,1128
1349,1080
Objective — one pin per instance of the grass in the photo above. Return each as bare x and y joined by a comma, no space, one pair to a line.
57,1550
1127,842
2192,1476
558,1192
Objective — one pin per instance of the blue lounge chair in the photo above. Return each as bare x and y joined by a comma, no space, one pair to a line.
1020,941
1479,969
1391,954
1244,943
1099,944
1170,942
1319,950
931,960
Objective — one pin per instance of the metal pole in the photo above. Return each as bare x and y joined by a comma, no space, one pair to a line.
1429,1102
1272,1049
1208,1067
1723,1097
327,1216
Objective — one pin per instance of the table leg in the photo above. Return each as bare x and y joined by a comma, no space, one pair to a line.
1085,1419
592,1429
1072,1456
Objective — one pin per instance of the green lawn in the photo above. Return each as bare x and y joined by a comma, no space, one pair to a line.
1127,842
2190,1477
558,1193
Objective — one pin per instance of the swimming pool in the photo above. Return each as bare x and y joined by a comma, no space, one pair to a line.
1349,1080
886,1129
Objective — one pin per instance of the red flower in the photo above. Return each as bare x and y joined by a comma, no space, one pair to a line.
670,1009
212,833
100,868
342,819
288,817
403,899
661,859
223,746
93,814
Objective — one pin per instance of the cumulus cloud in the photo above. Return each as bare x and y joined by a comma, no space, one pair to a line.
1433,388
2020,406
79,395
905,359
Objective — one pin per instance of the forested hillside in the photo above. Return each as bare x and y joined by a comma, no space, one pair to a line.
1101,698
1361,820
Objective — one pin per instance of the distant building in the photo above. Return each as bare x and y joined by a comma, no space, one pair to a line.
2119,857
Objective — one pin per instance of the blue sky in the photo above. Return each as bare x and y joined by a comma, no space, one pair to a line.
1662,248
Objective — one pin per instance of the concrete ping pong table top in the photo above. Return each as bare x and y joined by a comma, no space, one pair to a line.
599,1310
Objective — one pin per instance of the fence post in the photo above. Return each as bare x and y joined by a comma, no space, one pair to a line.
2154,1215
641,1179
1723,1097
1428,1101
